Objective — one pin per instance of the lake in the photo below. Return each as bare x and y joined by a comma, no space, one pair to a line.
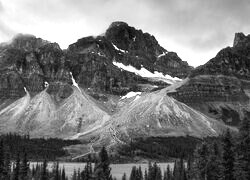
117,169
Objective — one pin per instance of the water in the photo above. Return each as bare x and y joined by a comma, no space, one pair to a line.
117,169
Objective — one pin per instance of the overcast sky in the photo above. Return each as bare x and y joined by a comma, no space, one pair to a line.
195,29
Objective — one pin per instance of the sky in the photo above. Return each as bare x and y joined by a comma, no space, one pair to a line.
195,29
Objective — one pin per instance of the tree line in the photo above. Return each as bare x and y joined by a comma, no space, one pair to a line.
225,158
36,148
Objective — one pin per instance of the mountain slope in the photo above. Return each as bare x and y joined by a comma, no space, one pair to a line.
220,88
152,115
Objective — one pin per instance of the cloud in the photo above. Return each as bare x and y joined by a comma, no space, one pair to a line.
1,7
195,29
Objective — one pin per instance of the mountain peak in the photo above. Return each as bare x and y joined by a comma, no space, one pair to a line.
27,42
240,38
118,23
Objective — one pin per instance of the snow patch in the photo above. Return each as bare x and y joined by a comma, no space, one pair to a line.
163,54
100,54
134,38
74,82
25,90
137,97
121,50
46,84
145,73
131,94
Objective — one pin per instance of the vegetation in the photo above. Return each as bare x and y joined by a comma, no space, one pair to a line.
36,148
158,148
225,159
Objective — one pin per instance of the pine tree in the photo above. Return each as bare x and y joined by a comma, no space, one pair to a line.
124,176
79,175
146,175
17,167
150,171
74,177
24,167
139,174
44,175
158,175
182,172
169,174
214,163
228,156
87,173
63,174
133,173
102,169
242,165
189,168
201,161
7,166
176,175
1,160
56,171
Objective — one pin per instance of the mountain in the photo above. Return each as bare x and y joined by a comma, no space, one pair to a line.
155,115
122,59
220,88
104,90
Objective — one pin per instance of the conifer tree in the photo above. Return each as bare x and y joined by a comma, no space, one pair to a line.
63,174
44,175
1,160
214,169
102,168
124,176
79,175
139,174
17,167
56,171
228,157
24,167
146,175
242,165
7,166
169,175
133,173
74,177
158,175
201,161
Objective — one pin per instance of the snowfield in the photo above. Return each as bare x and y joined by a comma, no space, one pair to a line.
163,54
74,82
147,74
121,50
131,94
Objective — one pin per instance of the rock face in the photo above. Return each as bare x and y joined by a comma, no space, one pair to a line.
91,59
32,63
143,49
37,76
220,88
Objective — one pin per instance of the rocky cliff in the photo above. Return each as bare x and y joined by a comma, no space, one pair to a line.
33,63
220,88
